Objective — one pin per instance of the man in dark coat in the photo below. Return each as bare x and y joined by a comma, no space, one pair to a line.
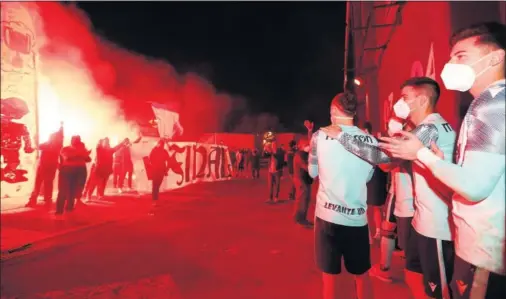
289,164
46,170
275,170
302,182
104,164
255,164
73,161
159,159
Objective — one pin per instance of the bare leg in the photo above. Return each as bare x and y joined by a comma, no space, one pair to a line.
377,221
387,246
330,286
333,288
364,286
415,283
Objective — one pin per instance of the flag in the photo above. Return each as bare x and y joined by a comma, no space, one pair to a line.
168,121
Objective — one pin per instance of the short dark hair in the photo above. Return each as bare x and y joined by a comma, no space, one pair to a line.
368,126
487,33
430,86
346,101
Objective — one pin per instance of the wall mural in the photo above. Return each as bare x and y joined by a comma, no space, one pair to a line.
18,100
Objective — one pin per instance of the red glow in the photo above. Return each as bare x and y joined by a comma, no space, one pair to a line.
432,23
94,86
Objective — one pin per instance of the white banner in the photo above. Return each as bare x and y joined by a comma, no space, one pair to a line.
190,163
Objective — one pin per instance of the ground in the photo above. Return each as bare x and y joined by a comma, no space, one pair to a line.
212,240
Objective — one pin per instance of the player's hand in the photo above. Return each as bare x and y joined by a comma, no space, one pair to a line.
309,125
405,148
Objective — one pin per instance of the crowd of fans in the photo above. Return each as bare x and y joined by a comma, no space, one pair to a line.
245,162
73,179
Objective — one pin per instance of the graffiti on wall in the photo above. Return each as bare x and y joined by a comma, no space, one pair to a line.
430,70
189,163
18,100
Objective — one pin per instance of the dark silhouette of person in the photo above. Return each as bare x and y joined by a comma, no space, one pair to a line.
73,161
255,164
91,184
247,160
275,170
81,177
289,164
159,161
123,165
46,169
104,164
302,182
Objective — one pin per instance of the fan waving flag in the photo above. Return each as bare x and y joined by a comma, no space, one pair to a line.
168,121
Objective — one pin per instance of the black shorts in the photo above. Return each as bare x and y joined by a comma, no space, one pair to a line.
424,256
376,199
463,282
403,230
377,188
334,242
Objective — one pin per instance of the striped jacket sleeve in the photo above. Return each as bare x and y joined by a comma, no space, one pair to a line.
483,156
375,155
313,156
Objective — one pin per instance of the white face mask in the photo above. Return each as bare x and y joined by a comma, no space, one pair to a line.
394,127
461,77
401,109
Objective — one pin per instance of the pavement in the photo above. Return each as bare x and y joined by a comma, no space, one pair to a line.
210,240
22,227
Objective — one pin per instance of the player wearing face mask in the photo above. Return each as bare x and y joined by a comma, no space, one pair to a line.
478,178
429,252
341,230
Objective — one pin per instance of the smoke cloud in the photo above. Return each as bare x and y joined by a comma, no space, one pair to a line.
259,123
100,89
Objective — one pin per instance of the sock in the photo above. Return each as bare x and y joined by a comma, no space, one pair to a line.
387,248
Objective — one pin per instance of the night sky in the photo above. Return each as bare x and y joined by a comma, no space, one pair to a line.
284,58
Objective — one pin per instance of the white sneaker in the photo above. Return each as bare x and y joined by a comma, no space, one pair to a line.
376,271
